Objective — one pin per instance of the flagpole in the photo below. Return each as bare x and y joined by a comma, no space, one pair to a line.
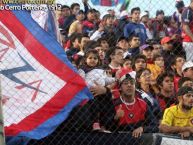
2,136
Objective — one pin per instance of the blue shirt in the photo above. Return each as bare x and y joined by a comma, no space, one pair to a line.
135,29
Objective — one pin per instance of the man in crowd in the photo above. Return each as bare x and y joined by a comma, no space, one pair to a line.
115,56
144,17
89,23
177,16
139,62
65,12
134,43
75,41
185,81
134,27
75,7
179,118
187,33
123,43
166,97
167,52
158,25
187,69
132,113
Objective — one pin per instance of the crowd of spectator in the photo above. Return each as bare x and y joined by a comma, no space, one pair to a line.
138,68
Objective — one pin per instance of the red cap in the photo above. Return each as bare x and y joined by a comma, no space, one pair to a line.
165,40
123,73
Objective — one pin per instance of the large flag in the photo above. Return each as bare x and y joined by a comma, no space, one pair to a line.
47,20
107,2
39,85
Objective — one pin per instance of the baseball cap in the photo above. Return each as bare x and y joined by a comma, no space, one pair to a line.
146,46
186,65
165,40
184,90
124,13
126,74
143,14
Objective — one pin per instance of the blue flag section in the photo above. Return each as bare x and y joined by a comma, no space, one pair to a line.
43,85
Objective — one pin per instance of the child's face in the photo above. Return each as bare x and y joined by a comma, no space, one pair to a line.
159,61
148,53
80,17
101,52
127,64
123,44
92,60
140,63
157,49
105,45
109,21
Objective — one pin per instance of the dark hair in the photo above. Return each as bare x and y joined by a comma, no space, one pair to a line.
91,51
111,51
65,6
162,76
80,12
139,56
77,59
91,11
183,80
167,20
158,12
179,4
75,36
128,57
107,16
85,35
174,60
74,5
132,36
135,9
152,41
110,10
138,75
156,56
102,39
90,45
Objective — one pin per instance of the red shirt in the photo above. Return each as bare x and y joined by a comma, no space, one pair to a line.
187,18
176,80
133,113
165,102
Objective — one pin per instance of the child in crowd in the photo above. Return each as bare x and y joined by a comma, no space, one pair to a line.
92,72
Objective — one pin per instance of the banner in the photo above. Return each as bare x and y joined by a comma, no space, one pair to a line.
39,85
